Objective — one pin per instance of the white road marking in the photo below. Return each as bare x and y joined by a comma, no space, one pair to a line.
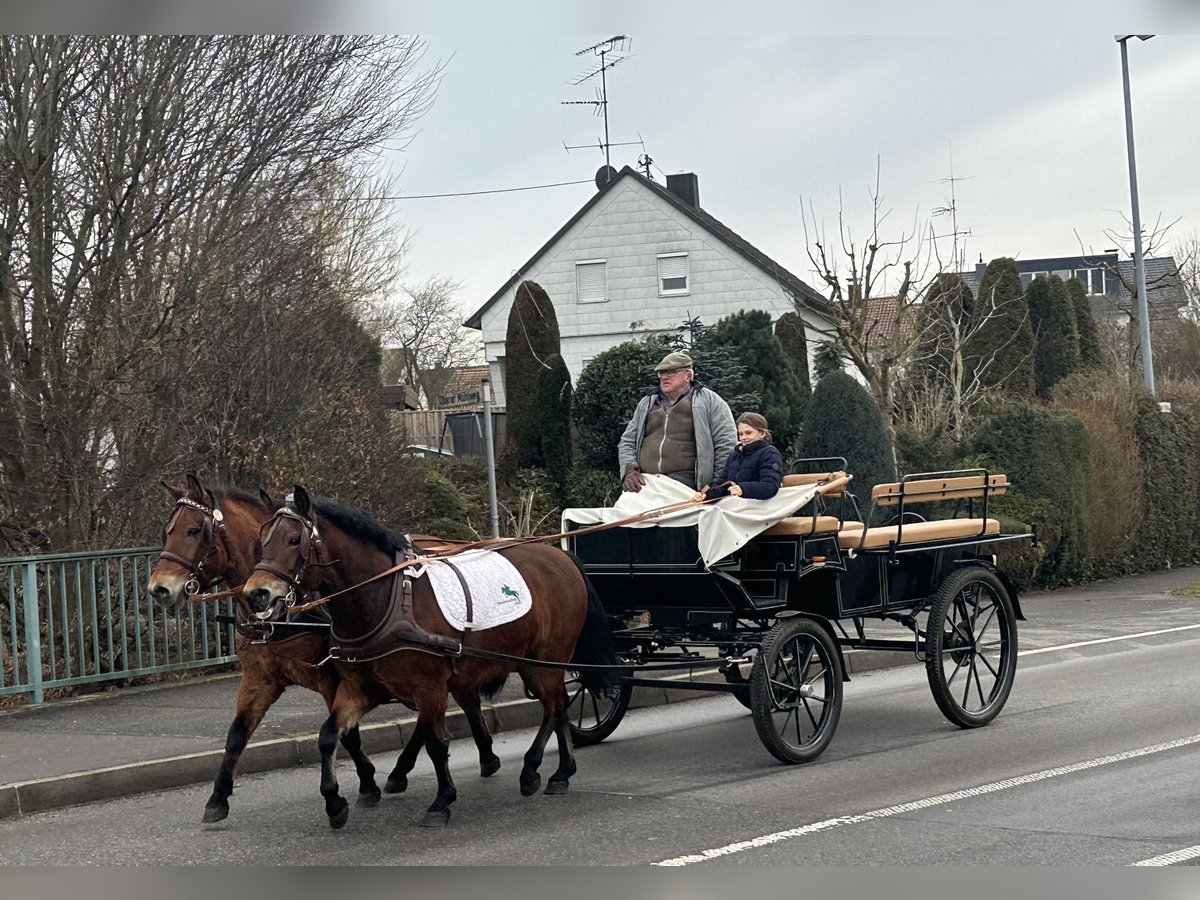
927,802
1170,859
1107,640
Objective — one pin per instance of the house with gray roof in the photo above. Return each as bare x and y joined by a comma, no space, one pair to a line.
638,258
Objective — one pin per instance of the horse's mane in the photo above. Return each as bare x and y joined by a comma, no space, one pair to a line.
358,523
223,492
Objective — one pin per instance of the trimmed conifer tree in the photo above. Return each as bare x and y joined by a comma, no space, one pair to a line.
827,359
789,328
1001,346
947,304
767,371
554,390
844,420
1085,325
532,339
1057,343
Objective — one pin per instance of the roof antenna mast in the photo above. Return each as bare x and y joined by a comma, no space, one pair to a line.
604,49
952,211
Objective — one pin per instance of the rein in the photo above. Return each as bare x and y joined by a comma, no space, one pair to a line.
503,544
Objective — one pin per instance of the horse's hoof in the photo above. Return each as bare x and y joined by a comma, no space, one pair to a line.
368,798
436,818
215,813
338,818
396,785
489,768
557,787
529,788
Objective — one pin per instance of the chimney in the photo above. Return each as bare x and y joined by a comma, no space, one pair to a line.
686,187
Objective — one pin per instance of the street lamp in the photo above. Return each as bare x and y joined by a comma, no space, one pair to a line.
1139,267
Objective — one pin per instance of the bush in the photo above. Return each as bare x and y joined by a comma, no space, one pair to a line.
587,487
443,510
1085,326
1105,404
1167,444
609,388
789,328
844,420
1046,456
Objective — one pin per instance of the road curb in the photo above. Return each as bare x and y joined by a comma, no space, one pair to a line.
45,794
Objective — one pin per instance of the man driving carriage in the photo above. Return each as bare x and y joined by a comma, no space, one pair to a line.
683,430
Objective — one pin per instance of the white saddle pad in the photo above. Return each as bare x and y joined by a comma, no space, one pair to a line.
498,593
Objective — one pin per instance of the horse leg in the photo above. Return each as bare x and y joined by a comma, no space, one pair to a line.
468,699
437,745
397,782
254,698
368,790
346,712
566,752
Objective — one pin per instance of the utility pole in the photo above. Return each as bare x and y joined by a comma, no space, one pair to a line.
1139,267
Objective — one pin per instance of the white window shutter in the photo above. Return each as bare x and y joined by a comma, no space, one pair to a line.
591,281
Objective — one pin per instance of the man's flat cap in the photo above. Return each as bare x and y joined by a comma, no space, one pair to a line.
673,361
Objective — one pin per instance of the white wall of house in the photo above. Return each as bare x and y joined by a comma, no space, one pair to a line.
628,230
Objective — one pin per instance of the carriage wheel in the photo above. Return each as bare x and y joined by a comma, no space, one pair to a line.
971,646
796,690
592,716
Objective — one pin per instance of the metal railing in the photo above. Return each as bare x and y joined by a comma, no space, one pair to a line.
80,618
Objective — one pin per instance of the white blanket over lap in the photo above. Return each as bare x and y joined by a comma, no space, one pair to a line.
724,525
498,592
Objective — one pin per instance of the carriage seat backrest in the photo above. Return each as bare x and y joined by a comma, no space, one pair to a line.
927,490
799,479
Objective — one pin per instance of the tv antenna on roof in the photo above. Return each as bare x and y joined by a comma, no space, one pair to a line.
952,211
616,44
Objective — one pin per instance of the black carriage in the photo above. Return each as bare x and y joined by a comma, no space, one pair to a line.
776,617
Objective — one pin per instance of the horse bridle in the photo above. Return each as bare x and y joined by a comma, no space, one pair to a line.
310,545
213,525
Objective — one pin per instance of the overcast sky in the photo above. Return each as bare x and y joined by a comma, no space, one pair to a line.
1035,125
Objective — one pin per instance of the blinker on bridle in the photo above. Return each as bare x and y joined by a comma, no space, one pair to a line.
310,544
213,521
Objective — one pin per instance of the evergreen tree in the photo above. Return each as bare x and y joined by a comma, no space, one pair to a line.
768,371
789,328
1057,343
1085,325
827,360
844,420
609,388
942,321
718,366
554,390
532,339
1001,347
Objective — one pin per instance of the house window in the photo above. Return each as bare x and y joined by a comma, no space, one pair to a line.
591,281
673,273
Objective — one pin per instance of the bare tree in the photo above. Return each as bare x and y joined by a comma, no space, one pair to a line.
185,236
429,338
876,337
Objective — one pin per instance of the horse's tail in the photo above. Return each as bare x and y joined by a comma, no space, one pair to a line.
596,645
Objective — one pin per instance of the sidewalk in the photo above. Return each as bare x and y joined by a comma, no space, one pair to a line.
133,740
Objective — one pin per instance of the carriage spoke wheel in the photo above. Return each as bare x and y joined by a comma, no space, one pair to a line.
594,715
796,690
971,646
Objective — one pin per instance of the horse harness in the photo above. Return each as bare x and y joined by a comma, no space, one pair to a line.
213,526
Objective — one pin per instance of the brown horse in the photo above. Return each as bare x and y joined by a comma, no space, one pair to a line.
325,546
210,538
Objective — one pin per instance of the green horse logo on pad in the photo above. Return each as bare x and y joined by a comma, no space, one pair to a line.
509,593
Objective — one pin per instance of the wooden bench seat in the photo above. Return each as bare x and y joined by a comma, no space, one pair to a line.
929,489
803,525
820,478
851,536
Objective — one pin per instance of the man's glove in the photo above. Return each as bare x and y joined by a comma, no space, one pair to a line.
633,479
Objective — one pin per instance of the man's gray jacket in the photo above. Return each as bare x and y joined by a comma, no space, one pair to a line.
712,423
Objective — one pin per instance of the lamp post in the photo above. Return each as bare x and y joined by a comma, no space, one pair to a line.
1139,267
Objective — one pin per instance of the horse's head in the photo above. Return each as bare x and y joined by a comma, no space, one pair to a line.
194,554
287,546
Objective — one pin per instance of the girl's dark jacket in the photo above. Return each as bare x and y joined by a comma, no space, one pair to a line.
757,468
